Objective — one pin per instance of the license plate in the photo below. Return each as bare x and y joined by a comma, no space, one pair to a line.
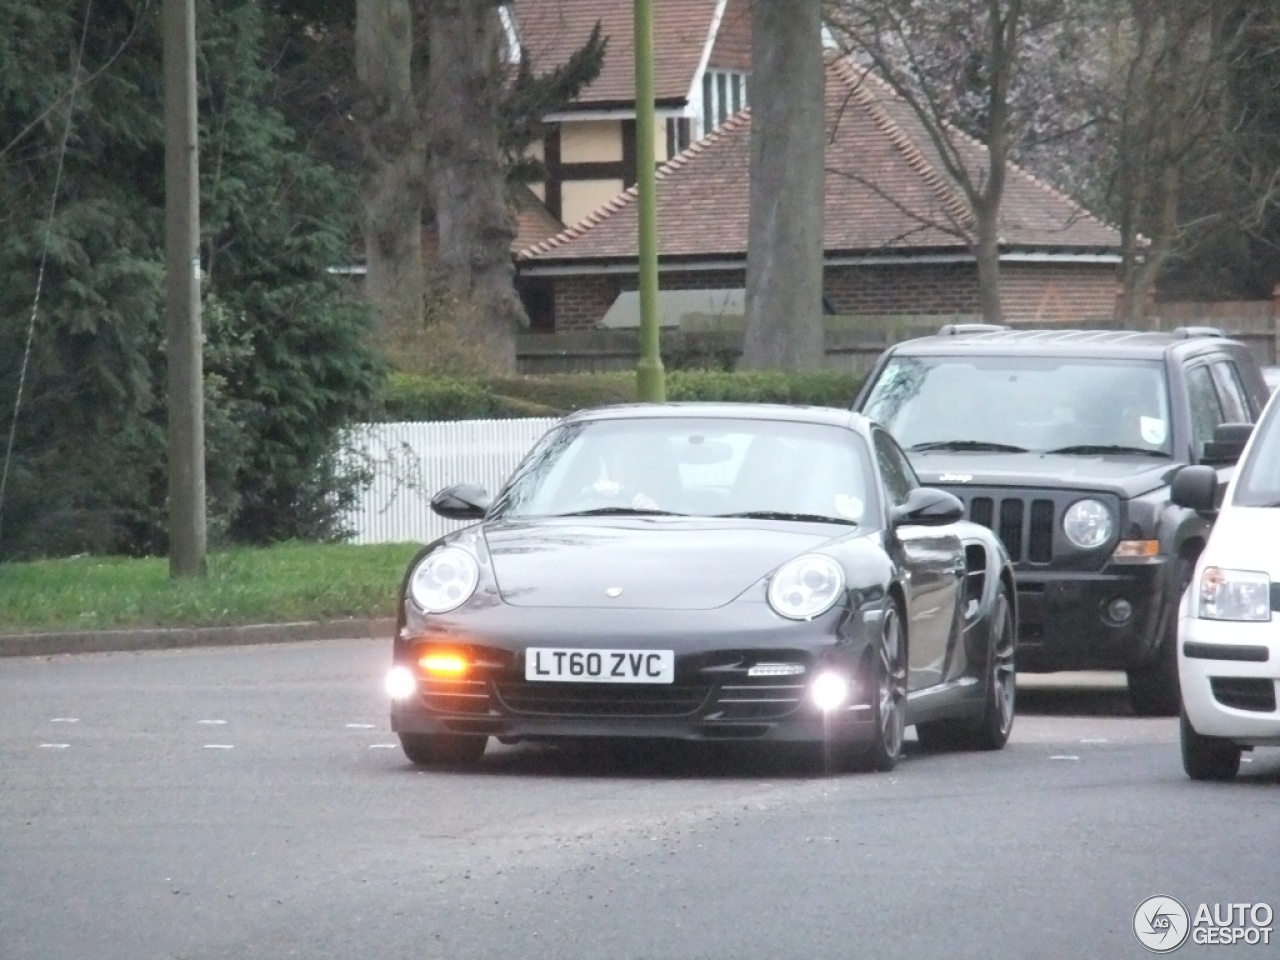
600,666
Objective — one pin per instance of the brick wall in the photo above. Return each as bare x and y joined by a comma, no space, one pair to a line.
1065,292
1032,292
582,301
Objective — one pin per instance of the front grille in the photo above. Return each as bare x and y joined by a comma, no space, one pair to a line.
455,696
1026,532
1245,693
760,701
551,699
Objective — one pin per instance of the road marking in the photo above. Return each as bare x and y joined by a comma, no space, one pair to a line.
65,720
219,746
212,723
360,726
1063,756
1098,740
383,746
54,746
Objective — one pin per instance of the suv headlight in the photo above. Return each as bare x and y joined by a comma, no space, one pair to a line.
1088,523
805,587
444,579
1234,595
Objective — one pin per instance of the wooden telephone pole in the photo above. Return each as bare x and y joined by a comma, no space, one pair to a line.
187,522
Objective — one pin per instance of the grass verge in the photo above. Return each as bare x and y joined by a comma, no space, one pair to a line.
281,584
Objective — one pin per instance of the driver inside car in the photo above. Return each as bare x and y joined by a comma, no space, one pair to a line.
631,475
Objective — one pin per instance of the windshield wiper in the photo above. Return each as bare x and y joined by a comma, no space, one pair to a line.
783,515
1103,448
620,512
967,445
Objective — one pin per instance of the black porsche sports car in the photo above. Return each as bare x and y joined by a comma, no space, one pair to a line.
707,571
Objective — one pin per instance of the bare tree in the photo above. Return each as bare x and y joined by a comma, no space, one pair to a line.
1173,127
784,328
394,144
900,41
466,77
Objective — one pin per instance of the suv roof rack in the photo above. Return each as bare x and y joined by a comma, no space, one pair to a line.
1186,333
959,329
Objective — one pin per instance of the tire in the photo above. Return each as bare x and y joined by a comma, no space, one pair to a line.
999,703
1154,689
888,673
442,749
1207,758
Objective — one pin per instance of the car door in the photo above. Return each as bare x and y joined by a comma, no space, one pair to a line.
933,561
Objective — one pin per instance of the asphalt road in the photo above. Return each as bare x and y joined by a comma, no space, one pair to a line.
251,804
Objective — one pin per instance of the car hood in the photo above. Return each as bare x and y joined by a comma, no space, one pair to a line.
1244,538
1123,475
657,563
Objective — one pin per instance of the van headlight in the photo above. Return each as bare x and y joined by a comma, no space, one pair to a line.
444,579
1234,595
1088,523
805,587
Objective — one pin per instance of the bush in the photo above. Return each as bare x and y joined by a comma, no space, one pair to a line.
412,397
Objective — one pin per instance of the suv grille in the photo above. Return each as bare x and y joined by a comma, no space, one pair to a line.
1024,526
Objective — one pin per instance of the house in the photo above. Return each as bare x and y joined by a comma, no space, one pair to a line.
895,233
702,56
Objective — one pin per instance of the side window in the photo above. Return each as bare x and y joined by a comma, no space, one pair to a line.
899,478
1206,411
1235,404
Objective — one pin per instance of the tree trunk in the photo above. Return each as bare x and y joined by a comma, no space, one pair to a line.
784,327
394,150
468,183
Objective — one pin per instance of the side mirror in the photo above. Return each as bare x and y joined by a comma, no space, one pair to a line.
462,501
1196,488
929,507
1227,444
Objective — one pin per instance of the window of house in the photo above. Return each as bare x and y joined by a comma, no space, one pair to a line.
724,93
679,135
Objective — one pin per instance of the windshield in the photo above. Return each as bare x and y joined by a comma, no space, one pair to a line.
1258,483
1040,404
700,467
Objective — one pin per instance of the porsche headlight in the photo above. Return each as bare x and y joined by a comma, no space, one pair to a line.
444,579
805,587
1234,595
1088,523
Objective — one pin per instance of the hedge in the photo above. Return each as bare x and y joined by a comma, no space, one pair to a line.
416,397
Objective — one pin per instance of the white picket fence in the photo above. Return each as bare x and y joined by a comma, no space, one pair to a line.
411,462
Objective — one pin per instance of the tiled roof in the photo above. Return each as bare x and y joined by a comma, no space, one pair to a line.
551,30
534,222
886,191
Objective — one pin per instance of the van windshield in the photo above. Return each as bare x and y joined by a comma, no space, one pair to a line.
1258,484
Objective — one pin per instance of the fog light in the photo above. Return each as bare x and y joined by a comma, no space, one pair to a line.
829,690
443,664
1119,611
400,683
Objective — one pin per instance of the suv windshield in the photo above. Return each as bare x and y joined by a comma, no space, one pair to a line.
1259,482
1011,404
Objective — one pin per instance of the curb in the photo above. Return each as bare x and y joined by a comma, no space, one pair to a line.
116,641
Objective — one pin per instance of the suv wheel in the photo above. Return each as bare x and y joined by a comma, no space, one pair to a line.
1154,690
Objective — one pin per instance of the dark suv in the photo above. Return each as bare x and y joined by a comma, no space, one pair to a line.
1064,443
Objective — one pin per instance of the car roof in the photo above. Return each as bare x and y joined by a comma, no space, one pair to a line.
721,410
1093,344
